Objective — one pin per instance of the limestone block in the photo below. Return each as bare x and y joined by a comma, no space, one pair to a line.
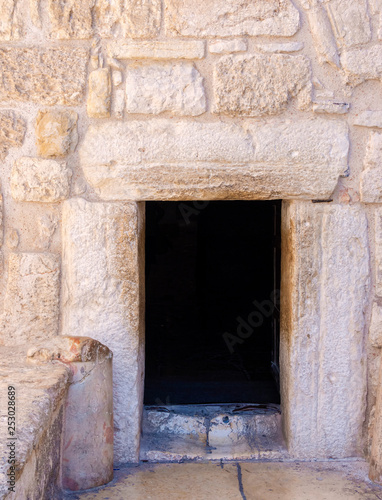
375,330
324,292
261,84
331,107
103,296
87,456
176,87
12,132
11,20
160,159
128,18
99,98
371,179
227,46
350,21
369,118
56,133
31,304
118,103
231,18
160,49
279,48
44,181
362,64
378,252
70,19
375,472
46,76
322,34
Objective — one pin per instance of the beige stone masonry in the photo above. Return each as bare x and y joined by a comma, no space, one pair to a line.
322,34
45,76
378,251
279,48
12,20
362,64
369,118
231,18
84,19
159,159
99,96
56,133
331,107
103,297
31,305
44,181
179,49
371,179
227,46
260,85
12,131
324,292
375,330
350,21
152,88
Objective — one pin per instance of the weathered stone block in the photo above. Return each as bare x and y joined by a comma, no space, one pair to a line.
154,88
231,18
128,18
378,252
103,297
350,21
31,304
160,49
99,97
70,19
227,46
56,133
279,48
160,159
46,76
11,20
12,132
368,118
371,178
260,85
362,64
44,181
375,330
331,107
324,291
322,34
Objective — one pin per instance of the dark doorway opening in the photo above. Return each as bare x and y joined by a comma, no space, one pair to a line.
212,302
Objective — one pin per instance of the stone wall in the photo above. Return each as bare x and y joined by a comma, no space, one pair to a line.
106,103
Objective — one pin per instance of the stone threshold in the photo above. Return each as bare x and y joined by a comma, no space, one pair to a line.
176,433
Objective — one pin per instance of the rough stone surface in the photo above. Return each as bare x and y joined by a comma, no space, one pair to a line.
159,159
56,133
368,118
128,18
321,30
154,88
279,48
350,21
45,181
160,49
371,179
11,20
375,472
375,330
46,76
70,19
103,298
12,132
99,97
378,251
31,304
324,292
231,18
362,64
260,85
40,398
227,46
331,107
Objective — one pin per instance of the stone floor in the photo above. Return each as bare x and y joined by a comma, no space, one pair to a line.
239,481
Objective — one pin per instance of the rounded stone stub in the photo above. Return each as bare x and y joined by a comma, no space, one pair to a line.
68,349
